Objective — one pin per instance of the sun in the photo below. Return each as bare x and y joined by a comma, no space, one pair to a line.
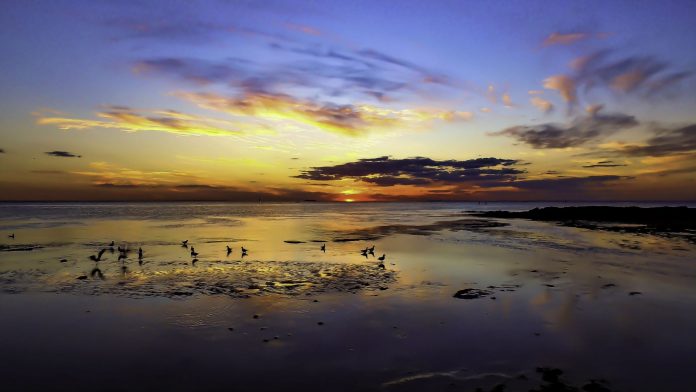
349,200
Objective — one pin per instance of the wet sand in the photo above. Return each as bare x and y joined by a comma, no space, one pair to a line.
533,297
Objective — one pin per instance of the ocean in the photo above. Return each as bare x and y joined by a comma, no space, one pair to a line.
458,301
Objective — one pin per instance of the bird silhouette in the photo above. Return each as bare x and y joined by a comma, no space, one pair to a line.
140,253
323,248
193,252
381,258
184,244
122,250
122,256
364,252
381,265
371,250
229,250
112,244
11,236
98,256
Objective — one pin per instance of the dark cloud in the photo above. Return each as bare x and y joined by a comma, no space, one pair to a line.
63,154
566,185
384,171
578,132
665,142
604,164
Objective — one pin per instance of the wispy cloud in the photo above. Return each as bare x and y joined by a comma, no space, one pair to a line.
350,120
556,38
169,121
62,154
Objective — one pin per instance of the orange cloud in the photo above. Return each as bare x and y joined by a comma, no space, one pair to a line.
542,104
564,39
564,85
130,120
350,120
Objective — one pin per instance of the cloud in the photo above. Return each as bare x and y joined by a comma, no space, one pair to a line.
564,38
565,85
63,154
385,171
168,121
349,120
593,109
507,101
645,75
326,71
604,164
567,186
580,131
542,104
665,142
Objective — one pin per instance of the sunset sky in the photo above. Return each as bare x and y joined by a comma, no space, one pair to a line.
347,100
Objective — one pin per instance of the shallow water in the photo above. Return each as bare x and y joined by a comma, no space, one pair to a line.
558,296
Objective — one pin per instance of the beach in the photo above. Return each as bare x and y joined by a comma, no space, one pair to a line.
460,301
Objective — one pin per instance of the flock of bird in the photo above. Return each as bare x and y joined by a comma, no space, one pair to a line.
123,254
194,254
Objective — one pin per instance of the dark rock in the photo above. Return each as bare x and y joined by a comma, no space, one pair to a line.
471,293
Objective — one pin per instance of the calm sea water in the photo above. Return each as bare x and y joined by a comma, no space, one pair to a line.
596,304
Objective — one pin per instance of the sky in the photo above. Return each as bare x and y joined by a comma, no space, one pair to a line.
347,100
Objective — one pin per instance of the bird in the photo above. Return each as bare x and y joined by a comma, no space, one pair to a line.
371,250
98,256
381,265
140,253
244,250
229,250
122,250
364,252
122,256
184,244
323,248
112,244
193,252
381,258
11,236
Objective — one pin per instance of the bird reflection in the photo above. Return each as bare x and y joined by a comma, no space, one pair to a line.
193,262
323,248
96,272
229,250
193,252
